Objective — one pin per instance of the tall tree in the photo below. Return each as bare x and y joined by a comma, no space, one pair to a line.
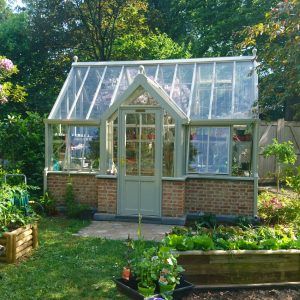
210,26
278,41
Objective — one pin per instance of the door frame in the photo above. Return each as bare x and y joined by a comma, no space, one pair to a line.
121,144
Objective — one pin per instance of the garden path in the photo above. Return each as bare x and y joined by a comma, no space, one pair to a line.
120,230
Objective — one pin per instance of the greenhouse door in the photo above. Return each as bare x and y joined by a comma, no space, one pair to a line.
140,168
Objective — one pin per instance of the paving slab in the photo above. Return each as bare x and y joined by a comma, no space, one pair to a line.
113,230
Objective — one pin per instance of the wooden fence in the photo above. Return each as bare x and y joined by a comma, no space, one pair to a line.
283,131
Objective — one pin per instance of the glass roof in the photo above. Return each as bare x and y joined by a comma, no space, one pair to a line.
201,88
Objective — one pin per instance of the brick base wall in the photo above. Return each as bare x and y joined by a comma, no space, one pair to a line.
222,197
98,193
107,195
84,186
173,196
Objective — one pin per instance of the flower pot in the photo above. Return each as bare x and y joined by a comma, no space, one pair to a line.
165,288
146,291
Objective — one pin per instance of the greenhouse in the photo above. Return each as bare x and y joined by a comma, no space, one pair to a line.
163,138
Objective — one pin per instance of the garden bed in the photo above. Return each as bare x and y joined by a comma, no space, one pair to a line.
18,243
240,266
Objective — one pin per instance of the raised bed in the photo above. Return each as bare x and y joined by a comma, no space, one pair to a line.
240,266
18,243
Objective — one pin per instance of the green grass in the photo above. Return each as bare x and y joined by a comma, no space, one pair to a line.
65,266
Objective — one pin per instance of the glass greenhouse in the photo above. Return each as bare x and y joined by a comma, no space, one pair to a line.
157,137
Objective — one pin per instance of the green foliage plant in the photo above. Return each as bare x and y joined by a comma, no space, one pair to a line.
283,153
73,208
278,209
237,238
13,216
48,203
293,180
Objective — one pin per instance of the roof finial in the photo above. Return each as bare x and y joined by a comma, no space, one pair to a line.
75,58
141,70
254,52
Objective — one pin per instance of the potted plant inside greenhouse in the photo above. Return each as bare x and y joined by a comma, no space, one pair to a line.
156,137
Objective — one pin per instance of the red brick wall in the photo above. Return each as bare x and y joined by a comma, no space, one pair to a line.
107,195
222,197
173,196
84,185
99,193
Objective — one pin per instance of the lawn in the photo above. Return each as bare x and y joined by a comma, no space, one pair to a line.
65,266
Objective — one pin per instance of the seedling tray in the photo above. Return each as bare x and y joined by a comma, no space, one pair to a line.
129,288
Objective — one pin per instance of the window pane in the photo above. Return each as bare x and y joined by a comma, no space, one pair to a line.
75,147
201,98
168,145
182,86
209,150
84,148
222,101
58,154
165,77
241,150
244,90
147,158
132,158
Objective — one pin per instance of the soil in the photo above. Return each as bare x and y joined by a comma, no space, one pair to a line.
257,294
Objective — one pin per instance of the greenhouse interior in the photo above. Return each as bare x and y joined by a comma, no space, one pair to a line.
160,138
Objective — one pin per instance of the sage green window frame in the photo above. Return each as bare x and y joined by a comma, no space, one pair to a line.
228,123
49,142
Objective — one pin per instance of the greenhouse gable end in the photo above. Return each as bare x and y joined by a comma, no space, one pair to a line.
158,138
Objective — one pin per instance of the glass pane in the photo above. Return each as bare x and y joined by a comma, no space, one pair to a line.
202,95
87,94
59,151
168,151
218,150
148,119
128,76
143,99
244,90
84,148
132,158
112,146
241,150
147,158
221,107
132,133
133,119
182,86
148,133
222,102
151,71
106,92
209,150
71,91
165,77
198,150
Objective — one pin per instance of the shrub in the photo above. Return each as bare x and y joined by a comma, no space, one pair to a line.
278,209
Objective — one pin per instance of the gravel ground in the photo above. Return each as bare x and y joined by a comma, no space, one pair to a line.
258,294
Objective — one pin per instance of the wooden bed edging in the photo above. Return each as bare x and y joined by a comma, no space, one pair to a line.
19,242
220,267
